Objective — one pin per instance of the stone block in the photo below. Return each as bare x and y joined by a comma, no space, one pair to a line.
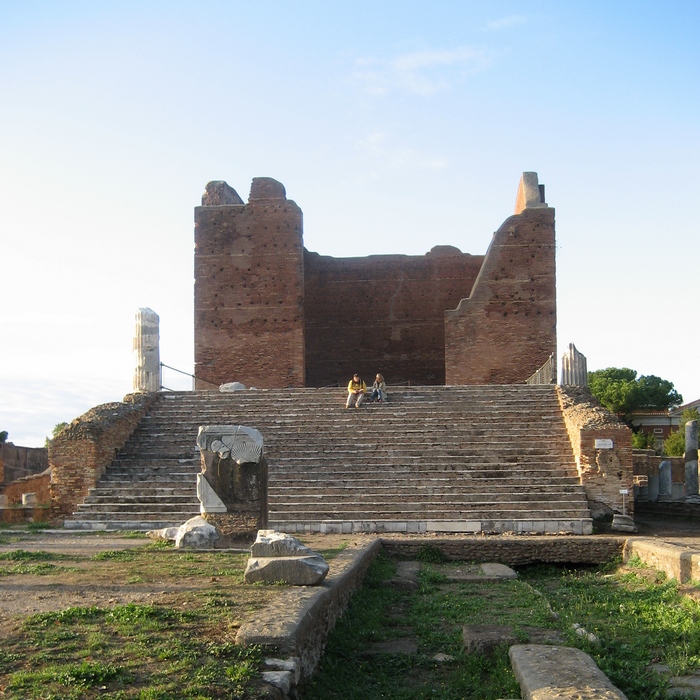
294,571
653,487
453,526
279,679
196,533
293,665
270,543
231,387
560,673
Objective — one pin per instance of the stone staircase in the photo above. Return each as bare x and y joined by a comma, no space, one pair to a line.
463,459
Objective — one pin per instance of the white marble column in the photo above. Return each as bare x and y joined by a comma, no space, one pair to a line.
574,368
147,351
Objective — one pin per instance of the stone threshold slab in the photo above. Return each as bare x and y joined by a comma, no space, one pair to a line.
544,526
560,673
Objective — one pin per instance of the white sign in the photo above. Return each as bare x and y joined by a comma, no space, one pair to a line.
624,492
603,444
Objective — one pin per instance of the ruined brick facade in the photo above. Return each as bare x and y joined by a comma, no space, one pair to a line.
80,454
602,447
269,314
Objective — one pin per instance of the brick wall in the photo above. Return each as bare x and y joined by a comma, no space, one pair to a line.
17,462
646,463
80,454
383,313
249,290
603,472
513,551
37,484
506,329
269,314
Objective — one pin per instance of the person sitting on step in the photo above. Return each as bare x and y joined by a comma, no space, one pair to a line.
378,390
356,391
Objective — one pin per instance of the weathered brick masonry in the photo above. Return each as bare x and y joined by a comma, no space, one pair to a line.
249,288
80,454
513,551
506,328
17,462
647,462
389,320
603,471
270,314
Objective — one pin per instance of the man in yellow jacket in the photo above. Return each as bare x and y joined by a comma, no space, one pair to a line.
356,391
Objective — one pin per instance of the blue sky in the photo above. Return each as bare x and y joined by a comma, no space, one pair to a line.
395,126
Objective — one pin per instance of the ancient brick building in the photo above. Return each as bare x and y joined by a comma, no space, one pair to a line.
269,313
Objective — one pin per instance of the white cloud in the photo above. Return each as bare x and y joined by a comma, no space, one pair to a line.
464,56
421,73
505,22
377,147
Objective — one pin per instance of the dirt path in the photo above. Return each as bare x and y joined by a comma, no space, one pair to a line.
79,580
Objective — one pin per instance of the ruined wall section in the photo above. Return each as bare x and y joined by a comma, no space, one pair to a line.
80,454
17,462
382,313
249,288
506,329
602,447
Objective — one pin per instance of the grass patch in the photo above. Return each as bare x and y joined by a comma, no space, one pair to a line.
116,555
23,555
379,614
179,646
128,651
636,616
430,554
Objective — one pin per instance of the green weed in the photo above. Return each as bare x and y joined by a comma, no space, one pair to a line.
23,555
431,554
115,555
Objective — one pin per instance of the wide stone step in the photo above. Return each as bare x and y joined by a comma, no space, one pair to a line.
464,456
417,496
388,513
574,526
153,508
134,497
141,476
121,521
403,472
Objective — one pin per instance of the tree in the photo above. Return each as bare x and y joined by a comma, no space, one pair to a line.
643,441
674,444
622,392
56,430
3,436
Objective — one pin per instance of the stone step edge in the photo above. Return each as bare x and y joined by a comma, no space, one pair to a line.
573,526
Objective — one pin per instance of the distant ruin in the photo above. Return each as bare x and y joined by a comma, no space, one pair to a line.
271,314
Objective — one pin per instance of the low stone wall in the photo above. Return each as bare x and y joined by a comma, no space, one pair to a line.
17,462
38,484
294,628
646,465
604,472
298,622
513,551
25,514
80,454
679,562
